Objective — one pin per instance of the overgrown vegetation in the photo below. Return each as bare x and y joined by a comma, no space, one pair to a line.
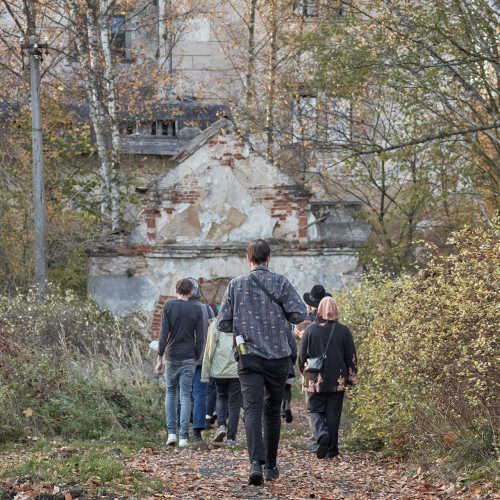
69,368
428,354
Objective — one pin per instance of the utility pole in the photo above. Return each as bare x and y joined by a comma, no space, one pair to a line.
40,226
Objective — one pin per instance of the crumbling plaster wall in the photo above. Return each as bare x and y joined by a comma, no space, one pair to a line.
208,199
130,285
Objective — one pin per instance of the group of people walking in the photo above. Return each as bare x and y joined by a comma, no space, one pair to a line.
250,352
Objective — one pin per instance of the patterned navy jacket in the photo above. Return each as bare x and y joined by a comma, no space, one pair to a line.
246,310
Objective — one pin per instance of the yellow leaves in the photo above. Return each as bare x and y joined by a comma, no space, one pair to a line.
28,413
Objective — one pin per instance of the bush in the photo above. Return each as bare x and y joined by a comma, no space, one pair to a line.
61,321
429,363
70,368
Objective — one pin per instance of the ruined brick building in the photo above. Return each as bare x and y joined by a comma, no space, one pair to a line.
198,218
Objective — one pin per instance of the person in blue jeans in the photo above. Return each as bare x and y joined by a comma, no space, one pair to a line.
181,340
199,387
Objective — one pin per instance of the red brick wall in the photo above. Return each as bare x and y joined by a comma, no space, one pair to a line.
156,324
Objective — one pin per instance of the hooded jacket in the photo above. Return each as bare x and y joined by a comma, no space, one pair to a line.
218,361
196,298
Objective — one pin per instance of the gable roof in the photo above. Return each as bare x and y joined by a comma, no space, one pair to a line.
215,129
222,126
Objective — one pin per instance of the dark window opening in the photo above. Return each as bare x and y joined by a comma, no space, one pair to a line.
306,8
118,33
304,118
168,128
164,127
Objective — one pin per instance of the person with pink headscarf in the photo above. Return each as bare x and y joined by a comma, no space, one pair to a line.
327,336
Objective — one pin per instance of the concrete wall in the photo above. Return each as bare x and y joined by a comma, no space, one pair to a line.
134,285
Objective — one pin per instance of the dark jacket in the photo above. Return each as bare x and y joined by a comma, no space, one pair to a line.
246,310
340,367
293,355
195,297
180,323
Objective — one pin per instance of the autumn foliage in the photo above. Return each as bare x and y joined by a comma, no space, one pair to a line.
430,369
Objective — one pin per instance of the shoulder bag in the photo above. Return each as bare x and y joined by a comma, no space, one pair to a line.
265,290
315,365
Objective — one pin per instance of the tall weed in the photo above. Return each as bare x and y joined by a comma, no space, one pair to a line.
70,368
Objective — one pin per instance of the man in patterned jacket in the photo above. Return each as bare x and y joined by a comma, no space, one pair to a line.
248,311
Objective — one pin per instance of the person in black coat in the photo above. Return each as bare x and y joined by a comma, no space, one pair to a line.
286,411
326,335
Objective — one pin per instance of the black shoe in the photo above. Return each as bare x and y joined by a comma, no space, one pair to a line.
208,425
323,444
197,435
288,416
213,418
271,473
256,478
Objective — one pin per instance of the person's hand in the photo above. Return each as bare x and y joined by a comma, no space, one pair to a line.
159,366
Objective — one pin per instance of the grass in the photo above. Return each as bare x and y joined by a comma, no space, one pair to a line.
95,468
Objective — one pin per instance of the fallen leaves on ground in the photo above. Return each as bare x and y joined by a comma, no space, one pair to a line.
209,472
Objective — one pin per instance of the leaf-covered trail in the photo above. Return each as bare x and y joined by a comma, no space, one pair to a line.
207,472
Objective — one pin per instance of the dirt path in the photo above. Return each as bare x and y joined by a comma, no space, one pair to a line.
206,472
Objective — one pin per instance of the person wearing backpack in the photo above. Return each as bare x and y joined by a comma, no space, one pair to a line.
256,308
219,364
327,361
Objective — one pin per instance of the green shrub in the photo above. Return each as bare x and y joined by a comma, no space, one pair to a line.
70,368
61,321
429,352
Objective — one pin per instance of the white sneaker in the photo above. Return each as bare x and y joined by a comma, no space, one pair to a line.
230,442
221,434
172,439
183,443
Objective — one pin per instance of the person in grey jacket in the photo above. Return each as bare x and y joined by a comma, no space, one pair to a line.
219,364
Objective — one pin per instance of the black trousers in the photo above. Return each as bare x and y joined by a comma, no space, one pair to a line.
211,396
263,386
287,399
228,404
325,409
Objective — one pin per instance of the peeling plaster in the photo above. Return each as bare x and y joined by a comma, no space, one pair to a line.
312,231
222,193
125,295
180,207
259,225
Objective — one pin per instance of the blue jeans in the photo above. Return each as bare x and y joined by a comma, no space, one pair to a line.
179,372
200,400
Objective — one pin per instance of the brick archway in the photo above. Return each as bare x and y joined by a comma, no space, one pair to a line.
156,324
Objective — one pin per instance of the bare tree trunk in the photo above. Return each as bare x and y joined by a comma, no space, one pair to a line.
250,65
89,65
97,96
272,84
109,74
